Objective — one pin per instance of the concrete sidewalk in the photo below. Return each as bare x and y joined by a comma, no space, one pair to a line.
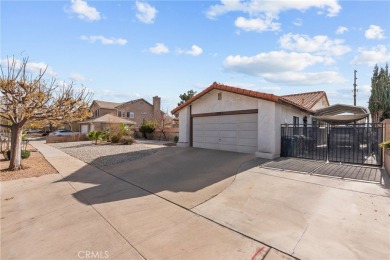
42,218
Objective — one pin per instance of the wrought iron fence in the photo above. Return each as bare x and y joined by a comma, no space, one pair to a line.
355,143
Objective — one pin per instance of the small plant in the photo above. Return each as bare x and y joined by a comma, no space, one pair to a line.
115,138
96,136
385,144
176,139
24,154
148,127
127,139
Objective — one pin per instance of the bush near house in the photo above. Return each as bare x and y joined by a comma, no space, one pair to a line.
385,144
147,127
25,154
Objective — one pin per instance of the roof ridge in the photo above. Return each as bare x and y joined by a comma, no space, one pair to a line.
305,93
240,91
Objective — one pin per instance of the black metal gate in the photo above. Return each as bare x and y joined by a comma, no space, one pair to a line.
355,143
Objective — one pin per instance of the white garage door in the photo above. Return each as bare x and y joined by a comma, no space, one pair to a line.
237,133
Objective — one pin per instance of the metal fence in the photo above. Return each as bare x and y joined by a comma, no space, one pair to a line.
355,143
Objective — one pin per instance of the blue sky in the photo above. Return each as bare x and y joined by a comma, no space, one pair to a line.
124,50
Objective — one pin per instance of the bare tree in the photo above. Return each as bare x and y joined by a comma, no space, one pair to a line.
26,97
164,122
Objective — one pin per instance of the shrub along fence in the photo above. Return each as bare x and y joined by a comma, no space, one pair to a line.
170,134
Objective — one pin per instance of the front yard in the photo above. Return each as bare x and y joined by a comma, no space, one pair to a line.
106,154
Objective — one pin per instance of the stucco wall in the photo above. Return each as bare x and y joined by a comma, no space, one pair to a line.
142,111
210,103
105,111
320,104
184,127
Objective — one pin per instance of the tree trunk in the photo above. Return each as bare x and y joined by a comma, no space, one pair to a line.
16,148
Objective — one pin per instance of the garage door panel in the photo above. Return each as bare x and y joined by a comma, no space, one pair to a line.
212,127
248,118
247,134
228,141
223,134
237,133
248,126
247,141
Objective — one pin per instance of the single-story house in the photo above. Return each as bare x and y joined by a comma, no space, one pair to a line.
233,119
103,122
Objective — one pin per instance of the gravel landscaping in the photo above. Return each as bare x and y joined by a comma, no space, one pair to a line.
105,154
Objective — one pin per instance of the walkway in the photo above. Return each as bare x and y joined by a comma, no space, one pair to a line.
343,171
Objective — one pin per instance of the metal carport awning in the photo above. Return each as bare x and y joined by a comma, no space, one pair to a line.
341,114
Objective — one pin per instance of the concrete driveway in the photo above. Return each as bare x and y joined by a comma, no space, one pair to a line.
309,217
186,203
84,212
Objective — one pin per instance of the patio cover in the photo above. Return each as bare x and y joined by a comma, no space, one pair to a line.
108,118
341,114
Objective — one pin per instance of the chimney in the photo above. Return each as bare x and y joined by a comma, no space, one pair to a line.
156,106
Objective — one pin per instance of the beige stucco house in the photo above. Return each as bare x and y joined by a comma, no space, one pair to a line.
233,119
136,110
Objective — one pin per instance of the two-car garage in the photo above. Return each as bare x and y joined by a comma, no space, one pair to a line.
236,132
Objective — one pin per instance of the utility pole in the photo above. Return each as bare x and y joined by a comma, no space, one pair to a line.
354,88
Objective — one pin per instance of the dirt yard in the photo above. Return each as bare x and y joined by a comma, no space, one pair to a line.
35,166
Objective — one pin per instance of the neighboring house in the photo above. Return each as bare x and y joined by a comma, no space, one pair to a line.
103,122
233,119
136,110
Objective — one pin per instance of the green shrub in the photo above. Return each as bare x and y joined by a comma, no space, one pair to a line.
148,127
176,139
115,138
25,154
96,136
385,144
127,139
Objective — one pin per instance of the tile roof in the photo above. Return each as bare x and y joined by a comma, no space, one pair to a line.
134,101
108,118
106,104
307,100
240,91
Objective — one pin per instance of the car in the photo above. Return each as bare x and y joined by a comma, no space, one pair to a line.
62,132
33,131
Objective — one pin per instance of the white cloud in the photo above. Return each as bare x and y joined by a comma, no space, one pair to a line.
319,44
145,12
84,11
341,30
377,54
255,7
195,51
31,67
103,40
374,32
273,62
257,24
159,48
284,68
304,78
77,77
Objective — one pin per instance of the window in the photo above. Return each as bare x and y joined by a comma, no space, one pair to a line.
220,96
123,114
131,115
296,125
295,121
96,113
119,113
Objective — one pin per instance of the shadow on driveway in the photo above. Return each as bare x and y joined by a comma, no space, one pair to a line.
185,176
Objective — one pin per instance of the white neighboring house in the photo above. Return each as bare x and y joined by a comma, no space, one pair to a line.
239,120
